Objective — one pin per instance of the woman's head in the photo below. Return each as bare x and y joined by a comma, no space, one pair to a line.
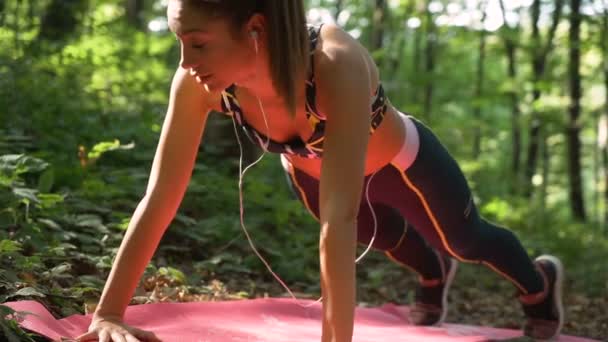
217,40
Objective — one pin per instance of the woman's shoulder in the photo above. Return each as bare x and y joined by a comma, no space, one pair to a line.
336,46
331,35
340,56
184,88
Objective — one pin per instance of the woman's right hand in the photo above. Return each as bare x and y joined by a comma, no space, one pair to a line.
106,330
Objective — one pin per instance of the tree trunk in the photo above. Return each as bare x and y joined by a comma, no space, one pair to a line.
604,153
134,10
574,143
416,66
597,168
540,52
429,66
510,36
515,115
477,124
546,166
61,20
378,22
32,14
604,48
537,71
16,26
2,14
399,52
339,5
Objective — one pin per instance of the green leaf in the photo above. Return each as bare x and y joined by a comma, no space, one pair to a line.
58,272
9,246
26,193
20,163
9,162
106,146
50,224
173,273
8,276
185,220
92,221
50,200
28,292
105,262
30,263
81,291
123,225
5,311
9,326
5,180
92,282
46,180
61,249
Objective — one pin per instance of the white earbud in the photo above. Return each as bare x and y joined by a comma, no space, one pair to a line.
254,35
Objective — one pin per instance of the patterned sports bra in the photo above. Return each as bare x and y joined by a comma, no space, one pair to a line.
313,148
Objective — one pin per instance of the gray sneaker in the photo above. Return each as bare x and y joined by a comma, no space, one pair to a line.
544,311
431,304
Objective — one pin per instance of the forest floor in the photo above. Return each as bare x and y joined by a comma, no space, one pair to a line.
477,297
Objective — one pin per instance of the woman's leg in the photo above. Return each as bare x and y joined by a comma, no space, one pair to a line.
398,240
433,195
407,248
393,234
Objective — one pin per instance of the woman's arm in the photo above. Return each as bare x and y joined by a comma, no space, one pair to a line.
173,163
343,87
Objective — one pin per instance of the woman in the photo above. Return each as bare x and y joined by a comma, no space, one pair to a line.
314,95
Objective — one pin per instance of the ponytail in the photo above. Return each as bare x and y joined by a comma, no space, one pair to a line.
288,45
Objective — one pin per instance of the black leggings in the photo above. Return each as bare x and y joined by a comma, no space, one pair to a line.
429,207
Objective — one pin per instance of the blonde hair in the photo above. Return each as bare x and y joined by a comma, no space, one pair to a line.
288,44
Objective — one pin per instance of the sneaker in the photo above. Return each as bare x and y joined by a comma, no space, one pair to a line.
544,310
431,305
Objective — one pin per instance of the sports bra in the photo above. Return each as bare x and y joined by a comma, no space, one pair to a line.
313,147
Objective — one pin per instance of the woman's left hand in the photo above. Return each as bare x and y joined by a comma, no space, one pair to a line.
338,283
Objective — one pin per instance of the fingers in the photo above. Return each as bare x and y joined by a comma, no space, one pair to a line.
145,335
104,336
91,335
118,337
130,338
153,338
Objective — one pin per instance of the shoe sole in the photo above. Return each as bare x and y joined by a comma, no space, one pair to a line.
557,291
448,283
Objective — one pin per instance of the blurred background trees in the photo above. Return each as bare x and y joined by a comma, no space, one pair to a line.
517,90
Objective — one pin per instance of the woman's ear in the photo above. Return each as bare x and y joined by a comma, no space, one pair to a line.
257,23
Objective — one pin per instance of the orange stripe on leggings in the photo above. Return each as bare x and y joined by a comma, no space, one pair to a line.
390,256
400,239
439,231
292,174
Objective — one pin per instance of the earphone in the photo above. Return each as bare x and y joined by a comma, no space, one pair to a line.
254,36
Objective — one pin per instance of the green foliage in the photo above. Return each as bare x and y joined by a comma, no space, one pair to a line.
68,186
9,325
106,146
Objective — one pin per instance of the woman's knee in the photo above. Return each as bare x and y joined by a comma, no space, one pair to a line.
476,242
386,230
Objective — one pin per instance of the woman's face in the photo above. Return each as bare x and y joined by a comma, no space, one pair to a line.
211,50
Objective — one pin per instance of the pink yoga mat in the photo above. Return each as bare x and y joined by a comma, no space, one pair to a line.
261,320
